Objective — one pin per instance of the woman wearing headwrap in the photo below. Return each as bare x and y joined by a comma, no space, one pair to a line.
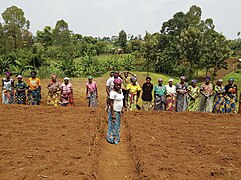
54,91
193,96
91,92
219,99
115,112
231,96
146,97
20,91
182,95
171,96
67,98
7,89
134,91
34,91
206,90
159,96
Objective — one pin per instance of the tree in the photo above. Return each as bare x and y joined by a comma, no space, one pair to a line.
14,25
216,51
122,40
61,34
191,46
45,36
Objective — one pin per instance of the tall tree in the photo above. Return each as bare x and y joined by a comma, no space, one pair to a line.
15,24
45,36
122,40
61,34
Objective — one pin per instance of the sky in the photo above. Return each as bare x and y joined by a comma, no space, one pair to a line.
101,18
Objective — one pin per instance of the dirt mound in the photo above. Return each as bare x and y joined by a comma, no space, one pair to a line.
232,65
186,145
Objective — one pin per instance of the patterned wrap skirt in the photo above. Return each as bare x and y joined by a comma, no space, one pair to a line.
160,103
93,99
206,104
231,106
20,97
181,102
7,97
132,104
34,97
219,104
171,103
53,99
113,132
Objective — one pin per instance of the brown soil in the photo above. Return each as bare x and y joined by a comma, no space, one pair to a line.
232,65
69,143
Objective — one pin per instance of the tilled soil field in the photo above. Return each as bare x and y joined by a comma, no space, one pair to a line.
69,143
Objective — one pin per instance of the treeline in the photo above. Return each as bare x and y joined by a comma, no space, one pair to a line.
184,45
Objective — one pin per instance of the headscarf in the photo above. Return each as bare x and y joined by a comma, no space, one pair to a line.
8,73
20,77
90,77
208,77
160,80
220,80
66,78
194,81
183,77
133,79
170,80
231,79
117,81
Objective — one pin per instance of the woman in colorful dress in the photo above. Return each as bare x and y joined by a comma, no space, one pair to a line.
231,96
219,99
67,98
91,92
146,97
7,89
182,95
134,91
193,96
115,113
20,91
171,96
206,102
159,96
34,91
54,91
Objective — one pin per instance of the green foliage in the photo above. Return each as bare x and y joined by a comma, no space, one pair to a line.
122,40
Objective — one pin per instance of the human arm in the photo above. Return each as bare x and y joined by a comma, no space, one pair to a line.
112,108
87,91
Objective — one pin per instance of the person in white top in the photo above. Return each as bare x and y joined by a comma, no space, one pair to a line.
114,113
110,85
171,96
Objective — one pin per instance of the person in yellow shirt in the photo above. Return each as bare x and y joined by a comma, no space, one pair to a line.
134,91
34,89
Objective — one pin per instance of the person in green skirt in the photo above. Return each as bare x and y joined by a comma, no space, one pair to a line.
193,96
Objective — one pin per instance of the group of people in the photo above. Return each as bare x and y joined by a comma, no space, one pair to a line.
16,93
123,92
30,92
